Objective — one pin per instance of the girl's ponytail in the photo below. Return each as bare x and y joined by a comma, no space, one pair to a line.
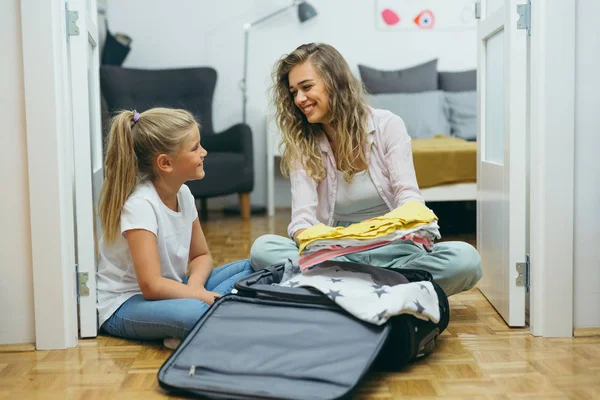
121,173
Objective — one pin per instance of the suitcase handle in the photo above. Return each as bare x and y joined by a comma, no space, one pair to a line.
427,344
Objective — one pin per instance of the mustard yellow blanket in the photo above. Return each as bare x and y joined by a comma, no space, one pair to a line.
444,160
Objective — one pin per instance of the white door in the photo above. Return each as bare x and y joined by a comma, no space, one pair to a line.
502,156
87,146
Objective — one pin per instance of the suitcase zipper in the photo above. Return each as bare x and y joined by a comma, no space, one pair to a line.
318,298
192,372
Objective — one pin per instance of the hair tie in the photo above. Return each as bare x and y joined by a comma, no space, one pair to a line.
136,116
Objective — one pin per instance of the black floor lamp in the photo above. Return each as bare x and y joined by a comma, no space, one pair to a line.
305,12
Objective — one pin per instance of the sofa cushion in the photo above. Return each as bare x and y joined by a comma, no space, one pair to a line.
423,113
420,78
462,112
460,81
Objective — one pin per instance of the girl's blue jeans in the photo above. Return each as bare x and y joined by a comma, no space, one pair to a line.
142,319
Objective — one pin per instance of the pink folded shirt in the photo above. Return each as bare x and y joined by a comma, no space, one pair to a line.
310,259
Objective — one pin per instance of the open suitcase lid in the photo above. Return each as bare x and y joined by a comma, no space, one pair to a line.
245,348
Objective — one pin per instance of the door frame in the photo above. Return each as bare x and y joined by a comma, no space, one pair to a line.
49,124
551,187
50,168
87,144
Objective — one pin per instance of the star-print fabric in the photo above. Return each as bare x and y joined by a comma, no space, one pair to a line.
369,293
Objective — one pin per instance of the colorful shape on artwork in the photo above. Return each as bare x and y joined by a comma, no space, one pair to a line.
425,19
390,17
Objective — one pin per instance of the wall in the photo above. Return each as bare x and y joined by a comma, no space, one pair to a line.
587,165
205,32
16,277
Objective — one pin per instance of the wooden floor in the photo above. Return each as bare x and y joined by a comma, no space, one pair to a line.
477,357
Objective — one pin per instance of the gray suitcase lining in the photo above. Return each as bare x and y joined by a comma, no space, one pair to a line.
295,351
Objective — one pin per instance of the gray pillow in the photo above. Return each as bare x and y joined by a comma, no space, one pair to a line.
423,113
419,78
461,81
462,111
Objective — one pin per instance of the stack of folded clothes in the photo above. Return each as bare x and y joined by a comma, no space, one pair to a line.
411,221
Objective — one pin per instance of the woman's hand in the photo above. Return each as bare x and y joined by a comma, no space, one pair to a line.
207,296
298,232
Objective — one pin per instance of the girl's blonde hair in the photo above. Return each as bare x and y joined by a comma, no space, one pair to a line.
347,113
131,151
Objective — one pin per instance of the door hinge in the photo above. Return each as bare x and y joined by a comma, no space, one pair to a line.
523,273
71,18
478,10
524,22
82,289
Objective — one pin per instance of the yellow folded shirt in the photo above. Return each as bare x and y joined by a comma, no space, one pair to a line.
407,216
412,211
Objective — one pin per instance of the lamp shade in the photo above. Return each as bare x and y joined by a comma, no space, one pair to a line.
306,11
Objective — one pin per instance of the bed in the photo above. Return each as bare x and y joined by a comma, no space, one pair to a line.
439,109
446,168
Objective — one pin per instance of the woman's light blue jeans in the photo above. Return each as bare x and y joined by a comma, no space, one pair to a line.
142,319
455,266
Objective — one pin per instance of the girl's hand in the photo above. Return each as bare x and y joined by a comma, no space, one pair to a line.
208,297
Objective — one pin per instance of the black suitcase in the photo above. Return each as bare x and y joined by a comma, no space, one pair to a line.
274,342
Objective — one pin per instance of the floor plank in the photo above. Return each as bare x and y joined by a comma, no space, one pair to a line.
477,357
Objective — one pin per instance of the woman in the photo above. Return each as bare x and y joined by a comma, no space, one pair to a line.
347,163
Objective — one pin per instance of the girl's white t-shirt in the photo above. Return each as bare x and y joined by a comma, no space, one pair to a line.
116,278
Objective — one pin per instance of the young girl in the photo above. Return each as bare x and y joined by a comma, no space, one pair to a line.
152,234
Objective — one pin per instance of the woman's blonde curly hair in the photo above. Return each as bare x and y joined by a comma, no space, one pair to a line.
347,113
